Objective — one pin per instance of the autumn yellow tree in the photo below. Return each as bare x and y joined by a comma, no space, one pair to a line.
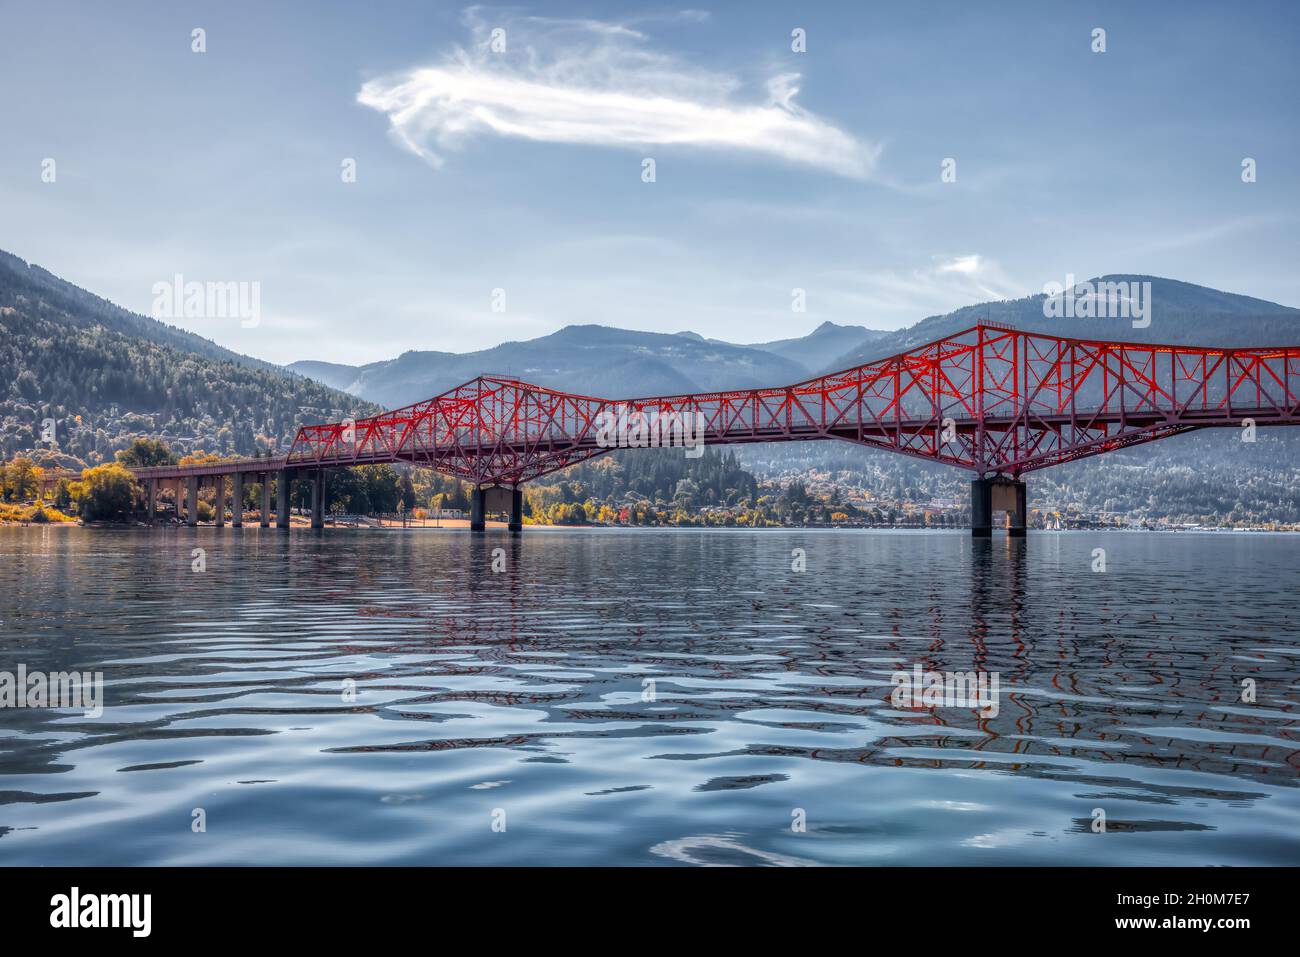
143,453
200,457
22,477
104,492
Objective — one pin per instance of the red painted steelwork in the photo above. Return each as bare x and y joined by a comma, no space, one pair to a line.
990,399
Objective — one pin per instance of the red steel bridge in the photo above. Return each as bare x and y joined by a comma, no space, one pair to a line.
997,401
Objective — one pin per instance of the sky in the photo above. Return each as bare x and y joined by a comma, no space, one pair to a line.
500,158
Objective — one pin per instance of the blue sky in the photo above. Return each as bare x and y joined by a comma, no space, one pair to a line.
522,170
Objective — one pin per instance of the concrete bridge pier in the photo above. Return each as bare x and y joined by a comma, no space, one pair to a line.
237,500
282,480
192,501
265,521
998,494
517,509
151,500
219,501
478,509
318,499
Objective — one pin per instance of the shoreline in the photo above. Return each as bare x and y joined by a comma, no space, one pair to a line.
301,522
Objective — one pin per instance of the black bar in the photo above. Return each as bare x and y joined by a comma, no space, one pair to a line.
945,906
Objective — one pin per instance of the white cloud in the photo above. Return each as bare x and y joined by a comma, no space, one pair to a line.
598,83
896,297
966,265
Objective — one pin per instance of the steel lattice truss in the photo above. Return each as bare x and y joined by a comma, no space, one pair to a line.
989,399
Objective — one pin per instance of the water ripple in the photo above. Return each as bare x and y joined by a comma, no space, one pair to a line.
654,697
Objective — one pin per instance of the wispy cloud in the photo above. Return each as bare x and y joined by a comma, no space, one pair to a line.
892,297
601,84
965,265
1212,233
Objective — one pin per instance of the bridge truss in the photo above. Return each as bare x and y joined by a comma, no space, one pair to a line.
996,401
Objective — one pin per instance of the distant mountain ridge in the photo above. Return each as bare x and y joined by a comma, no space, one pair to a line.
1182,313
824,344
589,359
598,360
619,363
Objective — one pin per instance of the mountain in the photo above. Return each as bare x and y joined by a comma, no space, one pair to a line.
75,307
617,363
106,375
336,375
824,344
1181,313
589,360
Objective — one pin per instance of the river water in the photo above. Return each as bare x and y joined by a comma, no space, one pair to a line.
659,697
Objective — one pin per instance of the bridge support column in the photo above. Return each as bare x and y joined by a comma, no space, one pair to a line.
516,509
999,494
192,501
981,508
237,500
1017,512
151,495
219,501
266,500
477,509
282,480
318,499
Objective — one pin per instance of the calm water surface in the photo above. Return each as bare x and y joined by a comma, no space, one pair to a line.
520,697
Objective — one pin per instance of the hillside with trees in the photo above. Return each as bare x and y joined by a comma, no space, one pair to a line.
105,375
